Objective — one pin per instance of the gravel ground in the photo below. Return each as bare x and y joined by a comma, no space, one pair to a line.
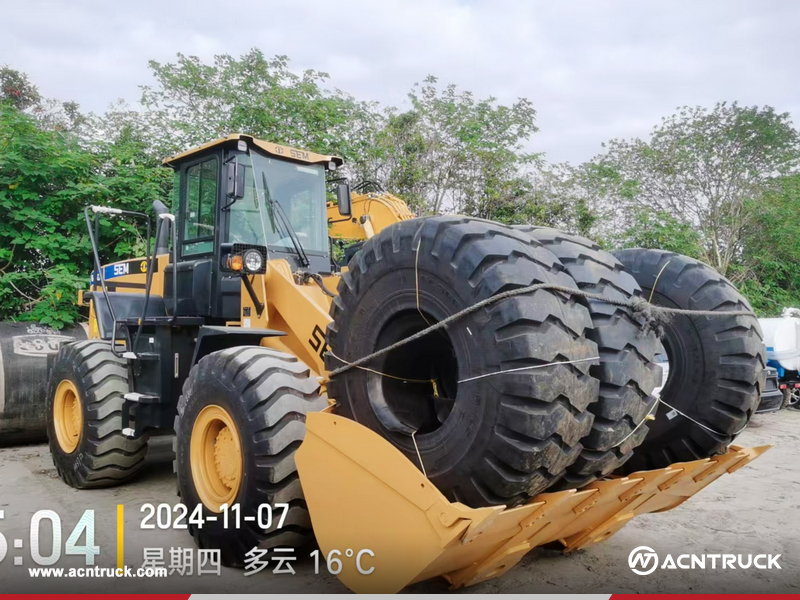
755,510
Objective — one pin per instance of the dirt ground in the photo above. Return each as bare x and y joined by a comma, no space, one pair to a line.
755,510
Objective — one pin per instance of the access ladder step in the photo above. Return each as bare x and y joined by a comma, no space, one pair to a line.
141,355
142,398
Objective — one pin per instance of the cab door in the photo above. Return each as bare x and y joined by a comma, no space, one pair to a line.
197,237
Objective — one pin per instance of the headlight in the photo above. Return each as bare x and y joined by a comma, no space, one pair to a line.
253,261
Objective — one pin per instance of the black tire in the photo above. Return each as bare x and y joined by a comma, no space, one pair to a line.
716,364
787,398
791,397
351,250
103,457
627,373
268,394
496,440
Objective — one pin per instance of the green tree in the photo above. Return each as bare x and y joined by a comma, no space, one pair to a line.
16,90
454,153
44,178
194,102
47,176
708,169
548,196
768,272
658,230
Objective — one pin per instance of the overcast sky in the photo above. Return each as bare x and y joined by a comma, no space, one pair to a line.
593,70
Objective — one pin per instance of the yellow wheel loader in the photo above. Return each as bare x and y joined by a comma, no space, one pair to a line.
407,406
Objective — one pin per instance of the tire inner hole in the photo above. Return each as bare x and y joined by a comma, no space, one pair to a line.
402,404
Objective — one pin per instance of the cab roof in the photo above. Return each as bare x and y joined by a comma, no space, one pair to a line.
305,156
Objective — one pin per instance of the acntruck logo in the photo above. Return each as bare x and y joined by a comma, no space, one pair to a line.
644,556
647,559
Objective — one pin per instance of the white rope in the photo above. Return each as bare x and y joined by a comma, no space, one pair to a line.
641,308
683,414
419,456
650,416
655,283
502,372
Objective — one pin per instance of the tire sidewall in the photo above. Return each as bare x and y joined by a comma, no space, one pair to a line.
688,360
472,417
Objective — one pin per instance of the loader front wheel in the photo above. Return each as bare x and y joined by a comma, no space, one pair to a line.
716,363
478,406
240,419
84,425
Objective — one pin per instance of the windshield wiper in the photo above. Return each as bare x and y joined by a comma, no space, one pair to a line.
277,210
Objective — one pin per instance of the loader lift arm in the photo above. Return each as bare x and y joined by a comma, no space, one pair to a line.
371,213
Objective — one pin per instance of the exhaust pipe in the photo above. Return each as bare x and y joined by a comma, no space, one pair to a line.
162,243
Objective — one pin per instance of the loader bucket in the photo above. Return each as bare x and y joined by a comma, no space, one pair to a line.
364,494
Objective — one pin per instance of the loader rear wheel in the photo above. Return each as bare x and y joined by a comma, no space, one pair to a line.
240,419
84,426
716,364
482,438
626,371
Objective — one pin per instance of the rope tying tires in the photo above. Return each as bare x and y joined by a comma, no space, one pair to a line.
654,317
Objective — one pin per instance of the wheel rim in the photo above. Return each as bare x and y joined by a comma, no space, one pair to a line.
216,457
794,397
67,416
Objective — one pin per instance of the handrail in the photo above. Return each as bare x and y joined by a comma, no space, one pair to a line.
93,238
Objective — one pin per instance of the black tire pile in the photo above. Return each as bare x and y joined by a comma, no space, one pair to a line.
576,397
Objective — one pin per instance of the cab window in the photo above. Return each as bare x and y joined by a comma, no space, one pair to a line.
200,207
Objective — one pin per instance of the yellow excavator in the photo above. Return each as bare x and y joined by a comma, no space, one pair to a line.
402,405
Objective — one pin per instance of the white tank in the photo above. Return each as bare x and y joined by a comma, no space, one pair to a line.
782,339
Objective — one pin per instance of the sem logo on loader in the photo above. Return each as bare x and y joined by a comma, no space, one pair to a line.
317,341
120,269
299,154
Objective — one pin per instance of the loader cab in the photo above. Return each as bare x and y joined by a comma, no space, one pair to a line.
239,196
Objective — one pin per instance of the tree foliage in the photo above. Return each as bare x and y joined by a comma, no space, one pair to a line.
47,177
767,272
452,152
704,168
718,184
16,90
194,102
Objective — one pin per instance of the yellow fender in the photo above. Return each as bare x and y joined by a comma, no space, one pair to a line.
364,494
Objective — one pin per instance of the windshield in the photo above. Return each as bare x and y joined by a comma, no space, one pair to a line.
300,191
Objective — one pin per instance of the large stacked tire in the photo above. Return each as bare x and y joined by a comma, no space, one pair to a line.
84,426
263,397
716,363
626,370
483,439
26,351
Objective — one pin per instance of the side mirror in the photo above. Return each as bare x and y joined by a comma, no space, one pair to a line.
235,180
344,199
